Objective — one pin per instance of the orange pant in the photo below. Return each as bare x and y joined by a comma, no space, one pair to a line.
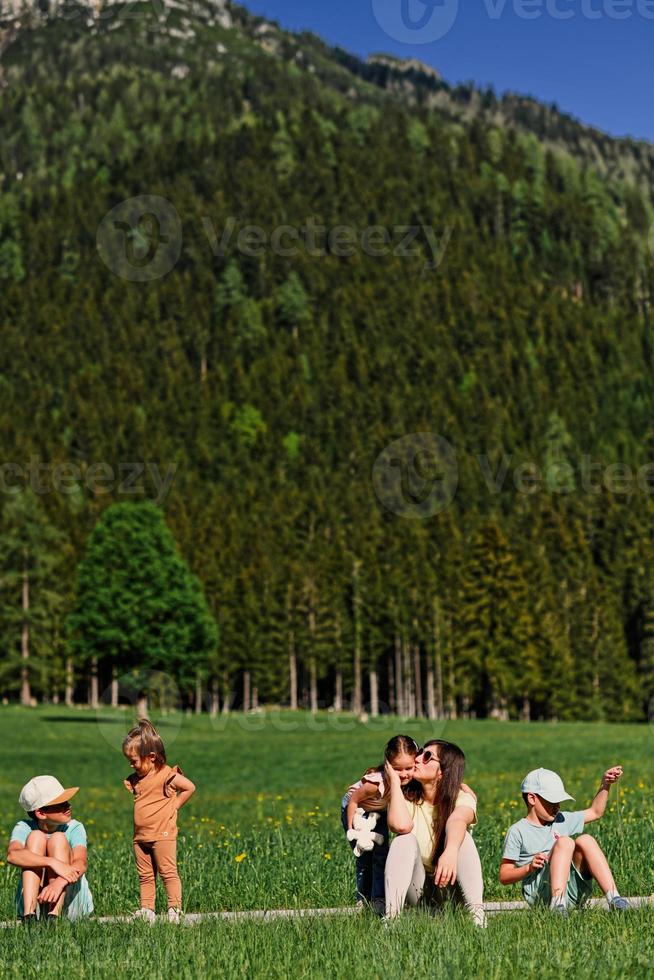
158,857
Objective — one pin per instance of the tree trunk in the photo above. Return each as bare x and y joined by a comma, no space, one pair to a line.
399,685
439,707
292,671
525,714
410,696
68,693
93,688
431,701
214,703
338,680
198,695
418,676
451,677
227,703
356,608
246,690
255,697
313,682
392,707
142,705
114,688
25,692
374,694
292,659
338,690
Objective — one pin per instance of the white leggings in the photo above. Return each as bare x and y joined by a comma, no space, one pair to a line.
405,875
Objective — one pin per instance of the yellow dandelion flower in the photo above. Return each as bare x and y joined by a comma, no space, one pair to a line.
327,856
240,857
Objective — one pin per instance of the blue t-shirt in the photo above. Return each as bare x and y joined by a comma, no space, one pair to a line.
74,831
524,839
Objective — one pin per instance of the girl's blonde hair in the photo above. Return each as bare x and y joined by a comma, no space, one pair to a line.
145,739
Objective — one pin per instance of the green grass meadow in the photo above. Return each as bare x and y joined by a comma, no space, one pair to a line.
263,832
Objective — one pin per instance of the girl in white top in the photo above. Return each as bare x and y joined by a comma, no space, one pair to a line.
372,794
433,856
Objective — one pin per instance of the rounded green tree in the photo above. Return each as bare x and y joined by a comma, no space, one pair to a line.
137,605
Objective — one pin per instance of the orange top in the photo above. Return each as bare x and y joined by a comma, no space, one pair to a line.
155,813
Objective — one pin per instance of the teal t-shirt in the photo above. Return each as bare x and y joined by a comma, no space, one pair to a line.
74,831
78,902
525,839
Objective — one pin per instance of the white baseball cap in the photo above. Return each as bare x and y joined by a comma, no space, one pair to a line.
547,784
44,791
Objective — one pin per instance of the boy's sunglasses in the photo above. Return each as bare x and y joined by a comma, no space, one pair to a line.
57,808
427,755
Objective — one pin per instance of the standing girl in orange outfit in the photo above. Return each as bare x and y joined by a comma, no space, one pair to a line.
159,792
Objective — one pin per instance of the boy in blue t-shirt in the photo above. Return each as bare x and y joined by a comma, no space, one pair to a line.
539,850
50,849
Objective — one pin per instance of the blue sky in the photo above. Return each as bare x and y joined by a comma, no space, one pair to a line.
592,57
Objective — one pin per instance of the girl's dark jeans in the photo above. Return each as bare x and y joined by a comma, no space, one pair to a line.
370,865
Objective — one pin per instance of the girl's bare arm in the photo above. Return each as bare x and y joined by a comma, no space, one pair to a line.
367,791
185,789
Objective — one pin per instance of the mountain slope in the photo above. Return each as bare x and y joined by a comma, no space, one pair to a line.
296,335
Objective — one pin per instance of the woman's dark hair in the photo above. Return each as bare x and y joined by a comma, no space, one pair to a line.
452,762
145,739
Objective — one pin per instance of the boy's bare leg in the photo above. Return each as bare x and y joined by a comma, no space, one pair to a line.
59,848
560,861
589,859
36,842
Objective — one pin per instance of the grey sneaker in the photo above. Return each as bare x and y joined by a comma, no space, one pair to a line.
175,916
619,904
559,910
145,915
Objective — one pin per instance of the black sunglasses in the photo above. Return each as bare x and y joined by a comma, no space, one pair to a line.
57,807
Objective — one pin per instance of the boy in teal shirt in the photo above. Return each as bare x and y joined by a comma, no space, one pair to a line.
540,852
49,847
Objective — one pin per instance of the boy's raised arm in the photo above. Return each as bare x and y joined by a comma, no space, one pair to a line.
598,806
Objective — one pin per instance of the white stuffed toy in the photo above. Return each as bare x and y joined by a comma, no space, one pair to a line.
363,832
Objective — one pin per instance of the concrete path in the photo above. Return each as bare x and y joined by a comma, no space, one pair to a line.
270,915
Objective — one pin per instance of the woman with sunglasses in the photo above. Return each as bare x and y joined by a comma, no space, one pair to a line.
433,857
49,847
